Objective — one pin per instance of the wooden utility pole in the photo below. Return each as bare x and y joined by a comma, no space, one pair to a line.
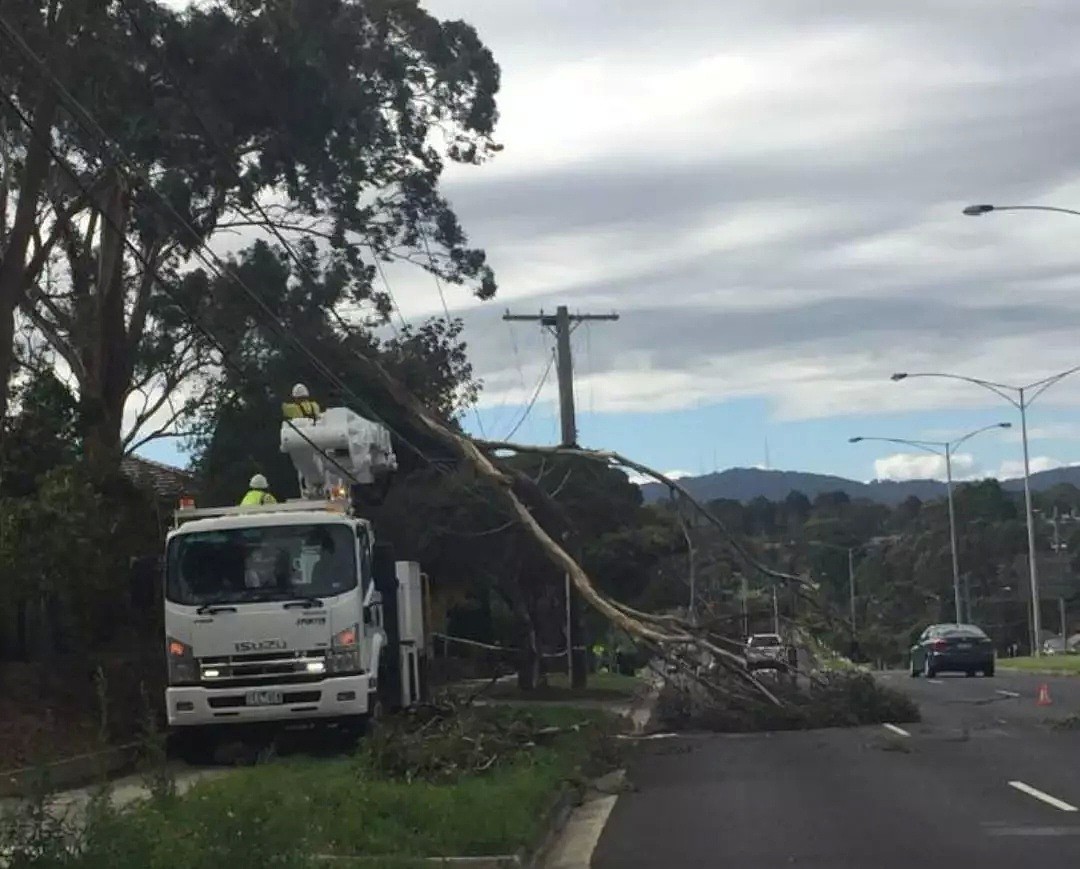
562,323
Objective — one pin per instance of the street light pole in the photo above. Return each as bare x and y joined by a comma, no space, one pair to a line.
1025,395
952,533
1036,615
851,586
1033,567
946,449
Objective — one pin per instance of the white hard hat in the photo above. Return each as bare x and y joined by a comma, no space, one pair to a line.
299,391
259,482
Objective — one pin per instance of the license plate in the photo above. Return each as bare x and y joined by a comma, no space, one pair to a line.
963,645
264,698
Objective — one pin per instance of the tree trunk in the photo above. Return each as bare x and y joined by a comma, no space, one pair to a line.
13,278
106,356
528,675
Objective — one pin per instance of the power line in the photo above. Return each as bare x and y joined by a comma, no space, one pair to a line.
446,310
535,395
562,322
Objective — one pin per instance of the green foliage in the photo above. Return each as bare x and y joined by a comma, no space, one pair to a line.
64,551
418,803
1059,665
902,560
40,436
340,116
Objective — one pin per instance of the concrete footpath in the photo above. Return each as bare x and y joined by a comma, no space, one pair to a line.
70,805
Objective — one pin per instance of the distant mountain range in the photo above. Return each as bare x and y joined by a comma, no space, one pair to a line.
745,484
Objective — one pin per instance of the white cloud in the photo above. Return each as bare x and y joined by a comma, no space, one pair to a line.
771,199
639,479
1012,469
922,466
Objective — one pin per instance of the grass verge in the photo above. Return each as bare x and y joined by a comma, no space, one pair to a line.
1060,665
478,782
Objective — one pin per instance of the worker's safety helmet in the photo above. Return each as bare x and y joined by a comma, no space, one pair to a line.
299,391
259,482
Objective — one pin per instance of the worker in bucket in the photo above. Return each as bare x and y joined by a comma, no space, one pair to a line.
258,492
302,406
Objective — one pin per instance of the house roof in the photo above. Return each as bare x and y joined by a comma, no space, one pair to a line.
164,480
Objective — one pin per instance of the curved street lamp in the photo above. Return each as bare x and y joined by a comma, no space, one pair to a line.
946,449
1024,396
978,210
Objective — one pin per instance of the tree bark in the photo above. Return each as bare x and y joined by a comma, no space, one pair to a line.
106,358
14,279
528,676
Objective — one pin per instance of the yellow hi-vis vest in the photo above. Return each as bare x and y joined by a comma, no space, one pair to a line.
257,496
305,408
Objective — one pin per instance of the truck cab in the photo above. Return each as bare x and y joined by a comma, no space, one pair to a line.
286,614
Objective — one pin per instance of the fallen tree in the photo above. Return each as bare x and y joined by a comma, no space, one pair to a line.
675,640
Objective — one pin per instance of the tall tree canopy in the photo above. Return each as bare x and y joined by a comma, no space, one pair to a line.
330,120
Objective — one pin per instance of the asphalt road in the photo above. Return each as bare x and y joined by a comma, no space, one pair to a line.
982,782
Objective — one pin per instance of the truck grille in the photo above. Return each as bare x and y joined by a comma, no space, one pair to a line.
248,670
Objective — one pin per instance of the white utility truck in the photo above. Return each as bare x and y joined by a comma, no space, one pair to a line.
290,614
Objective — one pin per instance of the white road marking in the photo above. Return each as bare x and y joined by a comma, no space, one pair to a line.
1039,795
935,681
899,731
1005,693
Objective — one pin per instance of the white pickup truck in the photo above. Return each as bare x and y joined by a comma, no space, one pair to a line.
766,652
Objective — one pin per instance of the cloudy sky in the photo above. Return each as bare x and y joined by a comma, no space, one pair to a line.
770,196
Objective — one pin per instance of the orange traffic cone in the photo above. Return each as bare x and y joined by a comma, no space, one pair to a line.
1044,695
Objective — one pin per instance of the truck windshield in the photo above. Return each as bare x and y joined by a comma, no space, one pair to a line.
273,562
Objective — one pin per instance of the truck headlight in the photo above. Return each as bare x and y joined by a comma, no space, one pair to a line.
181,662
344,654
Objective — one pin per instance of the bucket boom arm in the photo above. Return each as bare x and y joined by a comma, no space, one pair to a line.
354,443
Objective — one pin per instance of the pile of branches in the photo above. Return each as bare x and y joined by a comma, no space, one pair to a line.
447,740
840,698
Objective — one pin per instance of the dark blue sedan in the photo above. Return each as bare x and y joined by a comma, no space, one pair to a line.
952,649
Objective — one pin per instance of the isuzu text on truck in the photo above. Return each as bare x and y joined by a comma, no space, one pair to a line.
290,614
